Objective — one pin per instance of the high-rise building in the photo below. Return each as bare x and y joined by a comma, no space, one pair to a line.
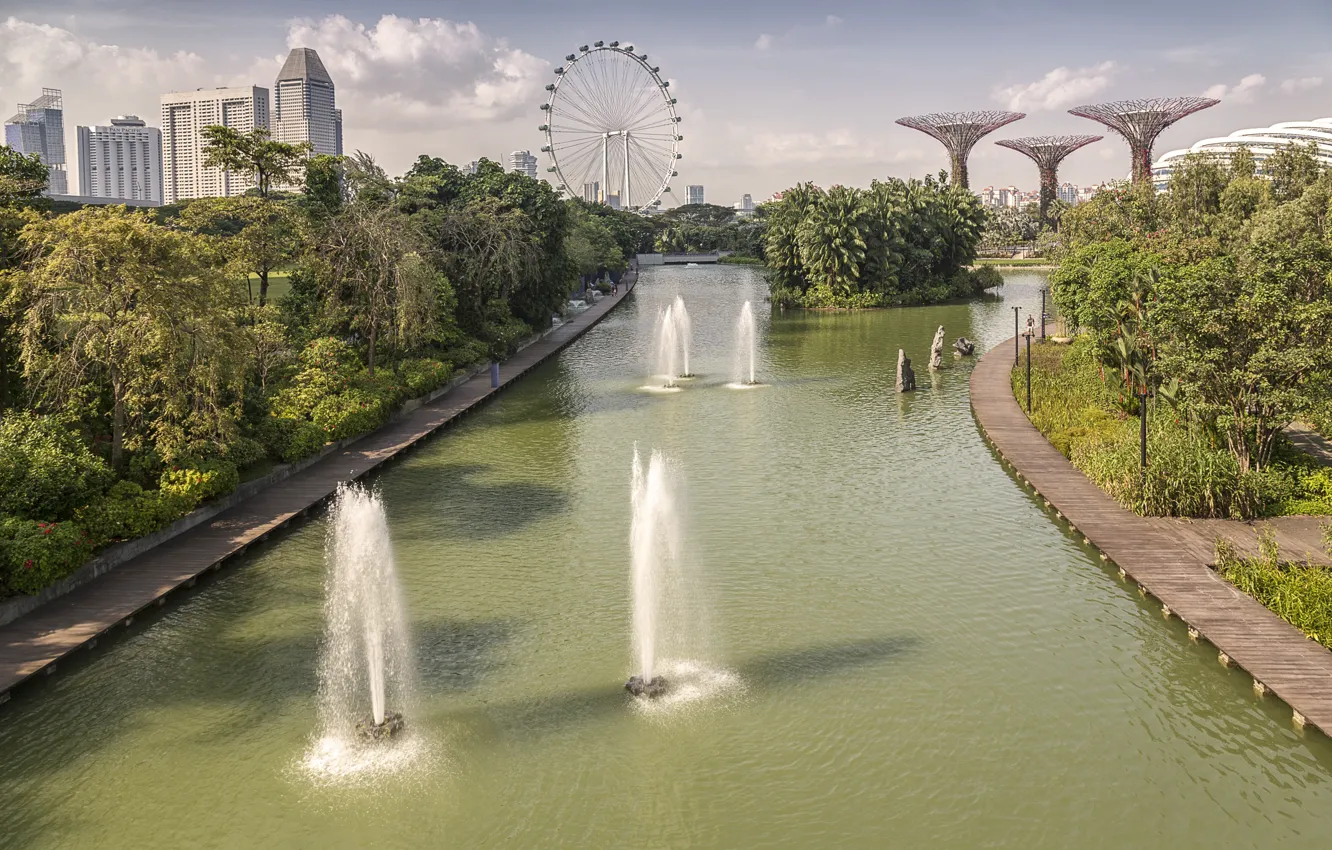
184,117
694,195
522,162
745,205
592,192
39,127
123,160
1068,193
303,104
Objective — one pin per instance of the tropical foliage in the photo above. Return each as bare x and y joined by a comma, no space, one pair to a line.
898,242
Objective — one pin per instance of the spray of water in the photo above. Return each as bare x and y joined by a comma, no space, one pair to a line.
684,332
744,346
365,666
654,543
667,348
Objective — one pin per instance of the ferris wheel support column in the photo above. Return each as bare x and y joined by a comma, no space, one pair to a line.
624,202
605,169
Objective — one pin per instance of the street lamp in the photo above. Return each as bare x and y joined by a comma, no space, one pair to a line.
1044,289
1143,394
1017,338
1028,336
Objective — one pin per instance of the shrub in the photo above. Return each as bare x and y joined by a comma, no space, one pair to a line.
275,433
200,481
1300,594
245,451
128,511
46,470
350,413
307,439
35,554
421,376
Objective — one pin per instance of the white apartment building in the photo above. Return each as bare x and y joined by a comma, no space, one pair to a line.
184,117
122,161
592,192
694,195
304,107
522,162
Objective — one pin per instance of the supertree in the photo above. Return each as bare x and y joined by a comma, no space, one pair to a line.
959,132
1141,121
1047,152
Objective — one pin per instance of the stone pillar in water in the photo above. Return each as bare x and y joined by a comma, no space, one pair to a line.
936,350
906,376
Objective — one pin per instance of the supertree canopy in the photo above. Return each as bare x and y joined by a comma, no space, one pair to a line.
959,132
1141,121
1047,152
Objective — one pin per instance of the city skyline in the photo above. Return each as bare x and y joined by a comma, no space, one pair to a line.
770,96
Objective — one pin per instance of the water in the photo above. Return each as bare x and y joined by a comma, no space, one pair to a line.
654,542
745,344
898,648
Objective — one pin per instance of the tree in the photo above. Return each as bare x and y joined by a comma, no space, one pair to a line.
322,186
138,311
22,178
268,163
257,235
1292,169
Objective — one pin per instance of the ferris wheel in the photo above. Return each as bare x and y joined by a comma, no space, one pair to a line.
611,130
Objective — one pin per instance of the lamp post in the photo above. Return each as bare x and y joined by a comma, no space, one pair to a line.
1142,428
1044,289
1017,340
1028,336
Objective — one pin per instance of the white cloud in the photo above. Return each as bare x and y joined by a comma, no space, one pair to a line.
839,145
1241,92
415,73
1060,87
764,42
1301,84
833,21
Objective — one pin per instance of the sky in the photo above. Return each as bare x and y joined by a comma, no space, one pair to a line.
770,93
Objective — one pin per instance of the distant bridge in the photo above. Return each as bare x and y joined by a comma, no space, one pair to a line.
679,259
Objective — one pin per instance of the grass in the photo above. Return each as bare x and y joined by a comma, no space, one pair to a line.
740,260
1300,594
1083,415
279,284
1019,262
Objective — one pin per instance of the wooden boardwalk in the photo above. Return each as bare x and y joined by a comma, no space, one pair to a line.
1156,555
37,641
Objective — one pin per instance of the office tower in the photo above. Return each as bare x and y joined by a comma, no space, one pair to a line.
303,104
39,128
184,117
122,161
592,192
523,162
694,195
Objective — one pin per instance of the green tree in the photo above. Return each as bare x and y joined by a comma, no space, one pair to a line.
322,186
138,312
22,178
268,163
1292,169
258,235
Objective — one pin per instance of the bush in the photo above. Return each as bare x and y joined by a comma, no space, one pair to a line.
1300,594
35,554
352,412
421,376
128,511
306,440
245,452
201,481
46,470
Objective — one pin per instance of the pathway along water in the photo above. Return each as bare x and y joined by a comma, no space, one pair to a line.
920,657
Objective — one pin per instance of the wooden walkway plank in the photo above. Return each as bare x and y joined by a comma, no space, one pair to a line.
1169,559
36,641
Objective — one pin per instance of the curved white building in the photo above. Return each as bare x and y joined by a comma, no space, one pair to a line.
1261,141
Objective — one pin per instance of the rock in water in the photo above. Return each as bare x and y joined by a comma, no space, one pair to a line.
906,376
964,347
936,350
392,725
640,688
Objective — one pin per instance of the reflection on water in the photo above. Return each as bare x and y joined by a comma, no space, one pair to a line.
902,649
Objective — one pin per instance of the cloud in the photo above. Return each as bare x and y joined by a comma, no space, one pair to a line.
764,42
1301,84
100,80
832,21
1060,87
838,145
1241,92
415,73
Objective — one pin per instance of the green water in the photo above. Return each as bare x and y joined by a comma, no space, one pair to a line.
917,656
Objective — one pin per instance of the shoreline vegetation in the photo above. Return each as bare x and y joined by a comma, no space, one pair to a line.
898,243
152,360
1299,593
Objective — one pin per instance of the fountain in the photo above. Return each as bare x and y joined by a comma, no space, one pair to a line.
654,541
671,344
365,655
745,343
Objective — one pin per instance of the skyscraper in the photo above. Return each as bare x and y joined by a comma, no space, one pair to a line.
122,161
303,104
523,162
39,127
184,116
694,195
592,192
